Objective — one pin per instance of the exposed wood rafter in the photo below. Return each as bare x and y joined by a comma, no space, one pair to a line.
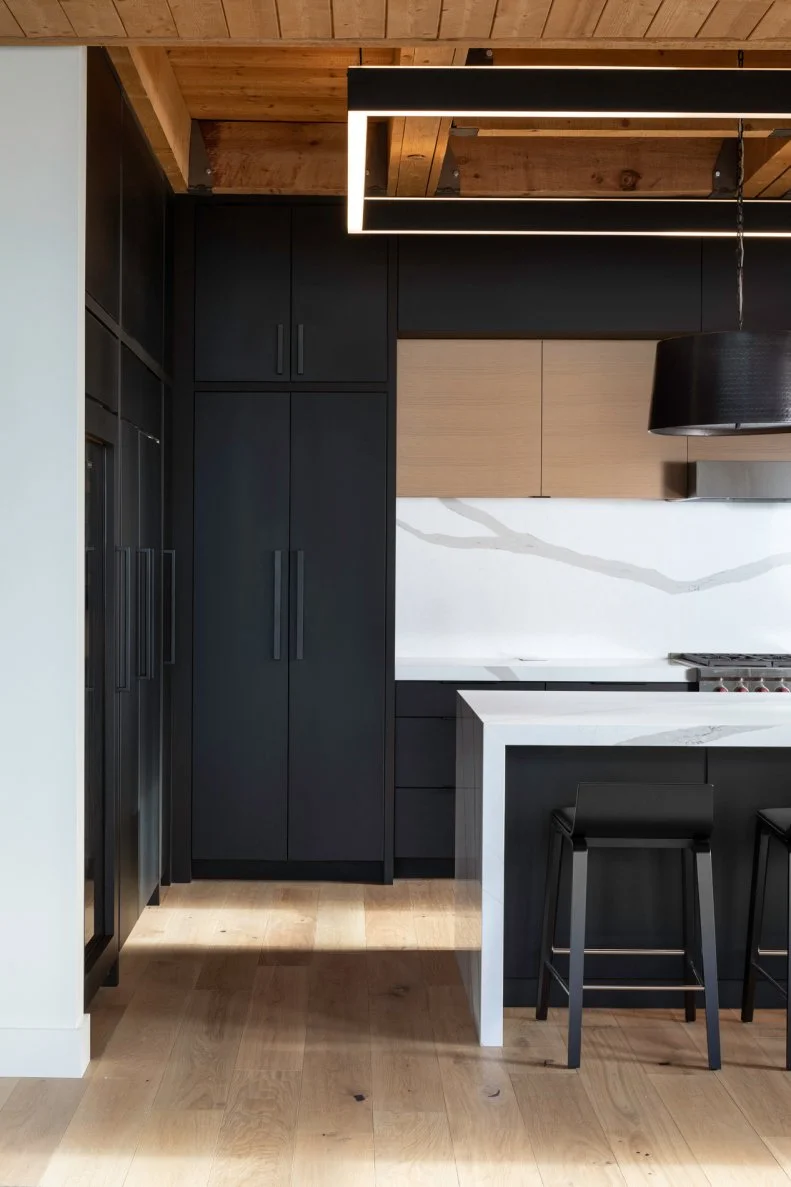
150,84
767,167
252,157
418,145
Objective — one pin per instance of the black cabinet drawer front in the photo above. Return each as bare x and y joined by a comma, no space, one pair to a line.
425,752
432,698
425,822
598,686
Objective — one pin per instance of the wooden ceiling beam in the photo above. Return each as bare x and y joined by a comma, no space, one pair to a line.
417,146
252,157
631,129
767,167
547,168
151,87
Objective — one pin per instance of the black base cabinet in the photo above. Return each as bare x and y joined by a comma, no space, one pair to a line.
289,629
425,765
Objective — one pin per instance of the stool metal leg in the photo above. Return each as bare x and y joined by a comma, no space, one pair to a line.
579,899
549,925
755,920
688,896
788,965
708,945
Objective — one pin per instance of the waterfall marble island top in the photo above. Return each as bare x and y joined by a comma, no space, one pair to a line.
505,669
489,721
513,718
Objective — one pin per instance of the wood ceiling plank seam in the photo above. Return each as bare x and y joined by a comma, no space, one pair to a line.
467,18
254,19
694,14
38,18
305,20
626,18
735,19
9,26
573,18
136,18
197,20
413,19
520,18
94,18
366,19
776,23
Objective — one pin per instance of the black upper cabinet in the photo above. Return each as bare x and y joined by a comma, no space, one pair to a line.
103,185
143,239
285,293
523,286
339,300
767,298
242,293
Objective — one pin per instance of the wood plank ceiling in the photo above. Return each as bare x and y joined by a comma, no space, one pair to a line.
552,23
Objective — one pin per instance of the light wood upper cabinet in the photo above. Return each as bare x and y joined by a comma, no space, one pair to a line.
469,418
776,447
596,444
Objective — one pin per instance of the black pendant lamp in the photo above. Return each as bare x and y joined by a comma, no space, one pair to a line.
727,383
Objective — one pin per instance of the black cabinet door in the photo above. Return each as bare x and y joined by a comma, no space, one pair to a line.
143,243
149,665
128,725
242,293
339,309
337,672
240,719
103,184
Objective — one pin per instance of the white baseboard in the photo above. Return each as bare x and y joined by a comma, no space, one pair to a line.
57,1053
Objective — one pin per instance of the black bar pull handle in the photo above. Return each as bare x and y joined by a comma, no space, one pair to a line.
170,553
277,603
300,605
124,657
300,348
142,633
279,367
150,623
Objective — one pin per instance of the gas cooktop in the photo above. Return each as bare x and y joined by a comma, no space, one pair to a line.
723,671
725,659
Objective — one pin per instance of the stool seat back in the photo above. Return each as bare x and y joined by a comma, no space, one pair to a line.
651,811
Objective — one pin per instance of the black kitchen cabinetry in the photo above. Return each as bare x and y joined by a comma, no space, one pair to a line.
425,764
499,287
282,292
103,185
139,648
767,265
289,629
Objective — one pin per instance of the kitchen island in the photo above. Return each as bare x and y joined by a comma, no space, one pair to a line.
522,754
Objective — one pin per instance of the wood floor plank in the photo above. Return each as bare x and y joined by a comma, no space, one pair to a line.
201,1064
256,1142
32,1122
567,1138
406,1076
495,1158
662,1044
389,923
414,1148
274,1033
142,1041
645,1139
716,1131
336,1091
291,930
331,1158
7,1086
98,1147
175,1149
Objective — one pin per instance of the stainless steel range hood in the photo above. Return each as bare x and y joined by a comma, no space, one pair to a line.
768,482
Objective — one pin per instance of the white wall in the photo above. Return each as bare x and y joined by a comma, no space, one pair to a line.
43,1029
566,578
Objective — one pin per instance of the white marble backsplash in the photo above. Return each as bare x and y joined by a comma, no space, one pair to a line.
523,578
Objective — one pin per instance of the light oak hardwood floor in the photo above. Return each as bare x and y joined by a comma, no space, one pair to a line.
271,1034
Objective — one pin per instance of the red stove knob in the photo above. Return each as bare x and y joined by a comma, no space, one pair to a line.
760,687
721,688
741,687
782,687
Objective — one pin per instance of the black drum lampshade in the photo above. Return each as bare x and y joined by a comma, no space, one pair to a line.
722,384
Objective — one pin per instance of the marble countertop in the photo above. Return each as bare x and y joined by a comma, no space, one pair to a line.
631,719
503,669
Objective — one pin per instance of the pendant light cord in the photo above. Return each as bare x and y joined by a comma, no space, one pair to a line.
740,213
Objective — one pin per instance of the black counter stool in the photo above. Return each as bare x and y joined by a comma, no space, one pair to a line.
772,824
633,816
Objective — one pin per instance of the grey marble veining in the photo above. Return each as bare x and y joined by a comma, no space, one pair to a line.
701,735
505,539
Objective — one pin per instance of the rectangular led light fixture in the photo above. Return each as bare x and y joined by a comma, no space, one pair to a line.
569,92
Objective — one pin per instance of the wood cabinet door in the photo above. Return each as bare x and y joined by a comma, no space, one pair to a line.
242,293
596,444
469,418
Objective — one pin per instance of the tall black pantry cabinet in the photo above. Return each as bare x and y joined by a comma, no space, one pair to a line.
284,525
290,632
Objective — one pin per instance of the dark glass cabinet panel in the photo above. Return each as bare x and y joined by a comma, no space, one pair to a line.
242,293
337,687
240,732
